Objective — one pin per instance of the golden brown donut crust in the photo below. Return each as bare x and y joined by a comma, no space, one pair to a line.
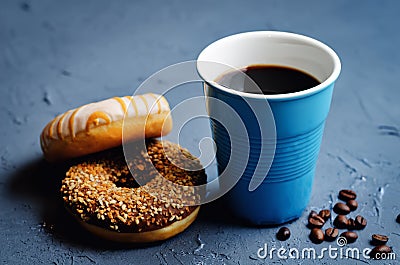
102,192
99,126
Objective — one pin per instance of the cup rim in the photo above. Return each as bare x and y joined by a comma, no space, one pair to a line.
311,41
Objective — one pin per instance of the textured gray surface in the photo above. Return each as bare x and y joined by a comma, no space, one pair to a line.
56,55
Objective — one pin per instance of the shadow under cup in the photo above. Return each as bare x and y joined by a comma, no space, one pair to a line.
280,147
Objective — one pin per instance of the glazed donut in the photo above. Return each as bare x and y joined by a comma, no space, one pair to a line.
104,197
98,126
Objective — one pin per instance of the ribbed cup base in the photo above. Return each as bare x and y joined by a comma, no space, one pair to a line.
286,189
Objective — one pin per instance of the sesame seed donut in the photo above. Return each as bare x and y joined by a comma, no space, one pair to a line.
98,126
104,196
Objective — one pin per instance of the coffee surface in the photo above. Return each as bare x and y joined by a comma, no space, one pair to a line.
268,80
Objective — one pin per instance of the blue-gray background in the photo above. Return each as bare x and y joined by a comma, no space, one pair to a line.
56,55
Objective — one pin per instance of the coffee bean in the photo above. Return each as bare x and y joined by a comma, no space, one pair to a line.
316,221
351,224
346,195
353,205
341,208
283,234
398,219
350,236
316,235
312,214
340,221
379,252
360,222
325,214
331,234
378,240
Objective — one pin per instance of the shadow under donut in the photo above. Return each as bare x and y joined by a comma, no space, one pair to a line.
38,182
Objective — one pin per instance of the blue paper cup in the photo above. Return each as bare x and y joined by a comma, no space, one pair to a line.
283,132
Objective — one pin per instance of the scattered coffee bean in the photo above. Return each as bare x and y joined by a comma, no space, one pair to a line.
317,236
378,240
353,205
351,224
341,208
283,234
325,214
350,236
360,222
398,219
376,252
316,221
312,214
347,195
331,234
340,221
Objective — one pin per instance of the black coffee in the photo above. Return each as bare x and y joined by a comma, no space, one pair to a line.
271,79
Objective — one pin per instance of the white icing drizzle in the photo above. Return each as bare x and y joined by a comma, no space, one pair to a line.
101,113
